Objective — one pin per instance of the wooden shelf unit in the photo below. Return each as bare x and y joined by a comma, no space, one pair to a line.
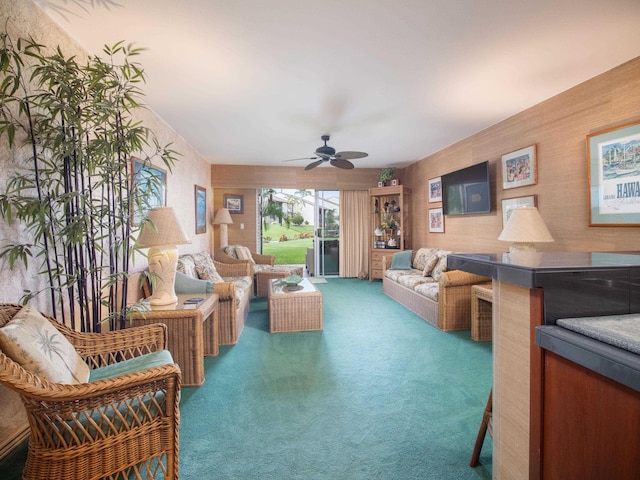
387,200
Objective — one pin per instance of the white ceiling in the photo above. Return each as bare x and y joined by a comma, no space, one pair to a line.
255,82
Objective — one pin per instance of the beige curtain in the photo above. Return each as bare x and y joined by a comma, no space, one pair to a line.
354,232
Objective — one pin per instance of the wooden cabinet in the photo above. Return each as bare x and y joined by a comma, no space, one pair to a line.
389,225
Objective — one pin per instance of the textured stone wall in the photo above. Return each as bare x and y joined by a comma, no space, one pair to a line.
23,19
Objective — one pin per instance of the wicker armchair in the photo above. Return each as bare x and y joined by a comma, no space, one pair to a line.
219,255
120,426
263,268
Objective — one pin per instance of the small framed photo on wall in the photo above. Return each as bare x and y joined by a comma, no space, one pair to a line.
234,203
436,220
519,168
435,190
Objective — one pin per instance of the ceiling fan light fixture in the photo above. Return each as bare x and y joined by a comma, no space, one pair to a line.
326,150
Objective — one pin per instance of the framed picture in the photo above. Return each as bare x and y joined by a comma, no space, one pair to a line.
614,173
395,182
509,204
435,190
436,220
151,183
519,168
200,194
234,203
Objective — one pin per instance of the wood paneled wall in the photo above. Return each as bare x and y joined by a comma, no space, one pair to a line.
558,127
244,180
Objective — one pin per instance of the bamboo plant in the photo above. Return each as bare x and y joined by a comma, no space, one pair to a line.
71,129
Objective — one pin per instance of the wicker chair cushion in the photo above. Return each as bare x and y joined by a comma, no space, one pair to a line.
32,341
429,290
187,265
132,365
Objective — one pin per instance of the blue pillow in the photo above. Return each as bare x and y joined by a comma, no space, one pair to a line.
186,284
401,260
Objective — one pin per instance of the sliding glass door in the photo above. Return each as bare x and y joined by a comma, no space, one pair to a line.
327,251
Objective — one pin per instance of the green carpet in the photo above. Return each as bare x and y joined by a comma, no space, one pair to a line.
378,394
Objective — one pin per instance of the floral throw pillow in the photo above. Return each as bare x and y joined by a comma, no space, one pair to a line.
440,267
205,267
30,340
187,266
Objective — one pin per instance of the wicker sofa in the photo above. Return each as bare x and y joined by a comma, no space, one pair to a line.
232,282
427,288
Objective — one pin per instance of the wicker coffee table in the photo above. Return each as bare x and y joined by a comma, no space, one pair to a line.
294,309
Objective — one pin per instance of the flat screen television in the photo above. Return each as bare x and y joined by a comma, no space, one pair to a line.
467,190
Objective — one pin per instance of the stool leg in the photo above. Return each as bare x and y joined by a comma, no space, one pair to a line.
486,419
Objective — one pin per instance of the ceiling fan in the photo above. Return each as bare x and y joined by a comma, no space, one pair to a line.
326,153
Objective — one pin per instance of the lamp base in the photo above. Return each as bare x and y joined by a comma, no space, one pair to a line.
522,247
162,264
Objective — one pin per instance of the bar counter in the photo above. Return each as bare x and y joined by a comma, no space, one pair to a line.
551,385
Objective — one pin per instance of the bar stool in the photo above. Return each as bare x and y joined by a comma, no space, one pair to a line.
486,424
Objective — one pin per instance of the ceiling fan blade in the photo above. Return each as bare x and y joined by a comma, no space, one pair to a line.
342,163
350,155
297,159
313,164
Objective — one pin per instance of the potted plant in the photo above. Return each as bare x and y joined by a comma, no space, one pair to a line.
72,134
385,175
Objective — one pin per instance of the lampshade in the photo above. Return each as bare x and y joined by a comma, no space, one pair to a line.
222,217
162,229
525,228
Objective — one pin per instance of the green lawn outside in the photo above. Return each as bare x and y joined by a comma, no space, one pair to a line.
291,251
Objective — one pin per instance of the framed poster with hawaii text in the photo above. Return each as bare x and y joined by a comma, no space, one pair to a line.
614,176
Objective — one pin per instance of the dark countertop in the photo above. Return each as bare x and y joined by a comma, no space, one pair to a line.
529,268
575,284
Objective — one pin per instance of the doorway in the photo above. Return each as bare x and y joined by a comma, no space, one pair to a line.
327,239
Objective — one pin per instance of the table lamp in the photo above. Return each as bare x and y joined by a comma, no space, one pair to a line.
524,229
223,218
161,232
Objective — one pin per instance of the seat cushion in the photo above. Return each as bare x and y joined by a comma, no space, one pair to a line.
243,287
30,340
429,290
136,364
413,280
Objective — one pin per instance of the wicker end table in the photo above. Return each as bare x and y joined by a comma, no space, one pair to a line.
481,312
294,309
192,332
